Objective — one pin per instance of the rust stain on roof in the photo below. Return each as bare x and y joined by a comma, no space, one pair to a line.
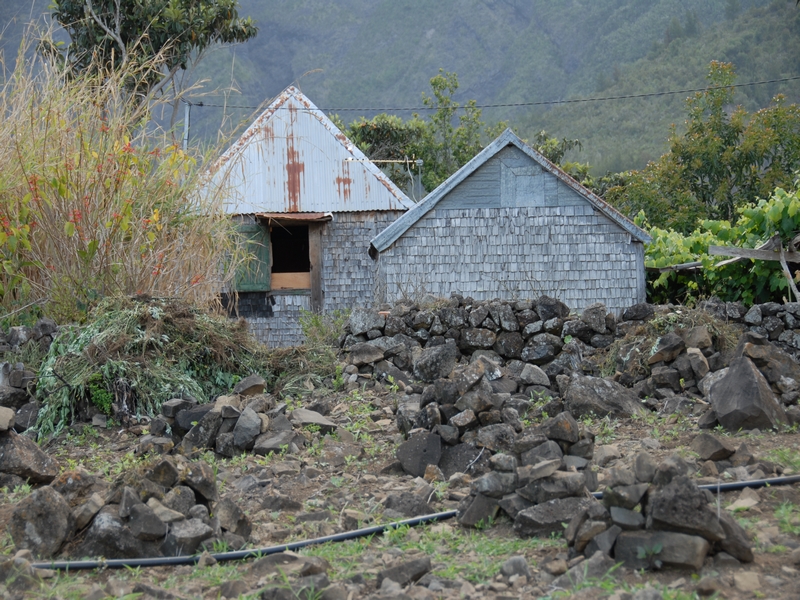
343,182
288,163
294,175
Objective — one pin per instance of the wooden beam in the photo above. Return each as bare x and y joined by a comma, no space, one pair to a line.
291,281
752,253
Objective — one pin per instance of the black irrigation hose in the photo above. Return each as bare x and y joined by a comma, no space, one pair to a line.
240,554
739,485
341,537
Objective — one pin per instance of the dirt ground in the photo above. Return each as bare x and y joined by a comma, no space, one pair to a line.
339,482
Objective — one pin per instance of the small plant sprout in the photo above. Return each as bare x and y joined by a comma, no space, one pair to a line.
650,554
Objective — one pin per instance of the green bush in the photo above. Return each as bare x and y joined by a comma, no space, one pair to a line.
749,281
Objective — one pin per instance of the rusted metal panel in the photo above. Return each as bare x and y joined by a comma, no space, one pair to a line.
293,159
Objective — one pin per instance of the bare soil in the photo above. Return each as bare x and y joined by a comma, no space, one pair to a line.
356,471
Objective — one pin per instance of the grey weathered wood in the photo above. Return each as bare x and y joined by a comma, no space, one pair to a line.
479,190
315,258
752,253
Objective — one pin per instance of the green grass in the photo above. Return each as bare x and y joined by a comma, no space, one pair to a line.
786,457
788,516
472,555
17,493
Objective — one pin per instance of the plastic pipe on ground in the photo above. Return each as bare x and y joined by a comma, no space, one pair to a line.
240,554
339,537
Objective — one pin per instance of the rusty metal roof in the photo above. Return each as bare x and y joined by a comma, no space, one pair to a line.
293,159
397,229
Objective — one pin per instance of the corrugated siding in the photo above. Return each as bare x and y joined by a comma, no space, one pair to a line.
293,159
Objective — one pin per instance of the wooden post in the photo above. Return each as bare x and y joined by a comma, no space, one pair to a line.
315,258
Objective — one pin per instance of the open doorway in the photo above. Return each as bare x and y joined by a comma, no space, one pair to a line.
296,258
291,264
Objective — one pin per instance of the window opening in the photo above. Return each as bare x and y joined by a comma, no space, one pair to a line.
291,265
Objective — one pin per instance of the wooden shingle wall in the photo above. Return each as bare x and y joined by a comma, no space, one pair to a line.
283,327
348,272
512,230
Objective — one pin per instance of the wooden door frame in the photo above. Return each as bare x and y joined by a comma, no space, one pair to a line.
315,258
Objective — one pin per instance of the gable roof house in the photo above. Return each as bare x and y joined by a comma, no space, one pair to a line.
309,201
511,224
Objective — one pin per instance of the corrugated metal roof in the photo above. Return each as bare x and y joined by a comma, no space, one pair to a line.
392,233
293,159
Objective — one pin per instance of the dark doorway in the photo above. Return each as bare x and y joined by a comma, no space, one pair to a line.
290,249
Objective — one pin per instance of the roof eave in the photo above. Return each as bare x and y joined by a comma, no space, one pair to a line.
396,230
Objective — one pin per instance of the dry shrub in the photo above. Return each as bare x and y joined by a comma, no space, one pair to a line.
724,336
96,200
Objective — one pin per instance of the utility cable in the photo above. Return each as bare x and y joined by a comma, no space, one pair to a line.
161,561
512,104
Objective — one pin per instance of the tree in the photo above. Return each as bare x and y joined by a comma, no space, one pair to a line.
109,34
445,143
442,145
725,159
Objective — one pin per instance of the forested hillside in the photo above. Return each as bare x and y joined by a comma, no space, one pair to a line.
381,54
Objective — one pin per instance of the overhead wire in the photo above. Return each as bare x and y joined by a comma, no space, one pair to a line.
514,104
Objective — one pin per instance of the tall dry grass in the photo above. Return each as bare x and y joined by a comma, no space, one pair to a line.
97,200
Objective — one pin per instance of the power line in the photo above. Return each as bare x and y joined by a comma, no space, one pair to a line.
518,104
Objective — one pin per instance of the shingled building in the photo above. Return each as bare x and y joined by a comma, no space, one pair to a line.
511,224
309,202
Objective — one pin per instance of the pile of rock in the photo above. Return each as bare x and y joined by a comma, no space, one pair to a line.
779,323
248,420
18,408
754,386
654,517
42,333
164,511
480,363
390,342
544,470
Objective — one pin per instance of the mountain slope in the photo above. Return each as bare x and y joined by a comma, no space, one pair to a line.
381,53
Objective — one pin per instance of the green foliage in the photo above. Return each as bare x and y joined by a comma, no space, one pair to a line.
650,554
763,41
99,394
788,516
750,281
723,161
323,329
443,146
94,204
338,379
142,353
108,34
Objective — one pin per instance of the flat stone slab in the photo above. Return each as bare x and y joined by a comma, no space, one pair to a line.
547,517
671,549
304,417
19,455
273,441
